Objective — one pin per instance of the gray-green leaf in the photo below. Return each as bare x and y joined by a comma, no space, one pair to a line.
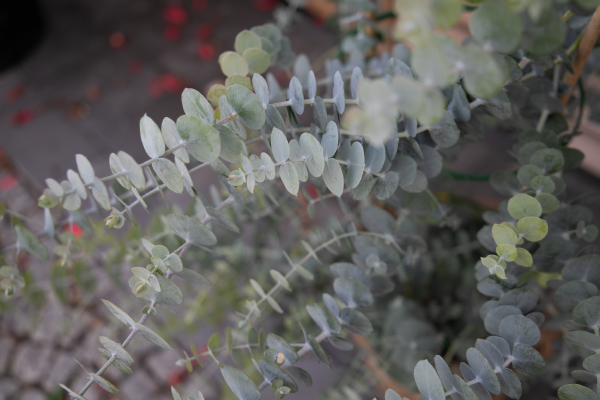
191,230
151,137
153,337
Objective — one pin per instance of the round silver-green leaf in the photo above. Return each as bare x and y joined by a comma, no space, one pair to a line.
151,137
194,103
519,329
247,106
296,96
324,319
203,141
191,230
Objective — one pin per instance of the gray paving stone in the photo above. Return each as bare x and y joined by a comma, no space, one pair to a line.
33,394
49,327
162,364
8,387
6,348
77,326
138,386
63,367
91,343
202,382
31,363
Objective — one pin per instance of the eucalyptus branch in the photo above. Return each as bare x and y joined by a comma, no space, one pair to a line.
23,217
326,196
142,165
108,363
305,349
386,238
312,101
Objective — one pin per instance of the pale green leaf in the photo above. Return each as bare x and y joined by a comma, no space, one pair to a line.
191,230
151,137
247,106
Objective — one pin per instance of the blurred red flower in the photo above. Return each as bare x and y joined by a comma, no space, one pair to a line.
312,191
21,117
175,14
136,66
172,33
166,83
200,5
117,40
265,5
206,51
74,229
204,31
8,182
176,377
15,93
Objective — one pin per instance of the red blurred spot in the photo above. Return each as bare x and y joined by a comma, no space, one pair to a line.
165,83
15,93
319,22
200,5
204,31
265,5
206,51
74,229
203,350
117,40
172,83
175,14
172,33
136,66
8,182
312,191
21,117
176,377
155,88
92,92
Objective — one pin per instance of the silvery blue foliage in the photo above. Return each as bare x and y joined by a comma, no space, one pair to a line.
383,125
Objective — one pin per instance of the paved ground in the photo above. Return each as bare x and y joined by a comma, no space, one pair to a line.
80,95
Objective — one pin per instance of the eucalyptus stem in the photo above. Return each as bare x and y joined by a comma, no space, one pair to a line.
134,330
21,216
312,101
437,203
290,273
142,165
327,196
542,121
226,120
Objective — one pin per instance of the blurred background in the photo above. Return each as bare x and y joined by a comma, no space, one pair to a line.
76,76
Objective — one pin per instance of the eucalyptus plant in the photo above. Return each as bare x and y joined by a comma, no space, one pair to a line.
382,127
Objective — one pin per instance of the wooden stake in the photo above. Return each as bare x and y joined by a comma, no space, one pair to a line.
586,46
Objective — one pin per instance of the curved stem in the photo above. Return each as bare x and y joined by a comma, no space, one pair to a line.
226,120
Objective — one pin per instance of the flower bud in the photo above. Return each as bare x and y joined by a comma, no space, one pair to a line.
280,358
141,289
47,199
115,219
236,178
